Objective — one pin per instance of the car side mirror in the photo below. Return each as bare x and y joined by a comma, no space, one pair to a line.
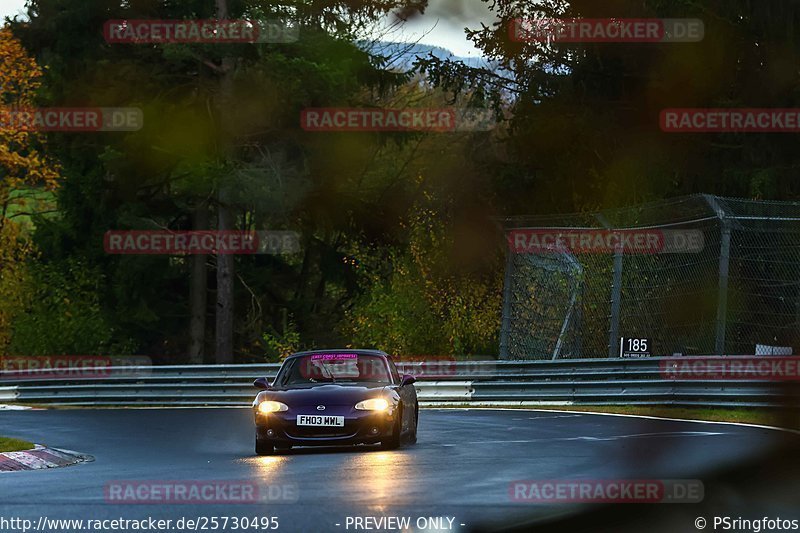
262,383
407,379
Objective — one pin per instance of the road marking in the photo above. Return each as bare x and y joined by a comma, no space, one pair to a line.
651,417
608,438
545,417
4,407
666,434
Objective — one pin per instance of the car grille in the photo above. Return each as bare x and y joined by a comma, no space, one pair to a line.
303,432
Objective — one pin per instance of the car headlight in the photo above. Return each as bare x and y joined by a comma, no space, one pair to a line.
375,404
271,407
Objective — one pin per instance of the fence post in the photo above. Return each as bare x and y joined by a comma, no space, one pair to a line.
724,264
505,326
616,294
616,297
577,273
722,298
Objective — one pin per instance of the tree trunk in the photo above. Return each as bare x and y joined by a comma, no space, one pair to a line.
225,262
225,276
198,294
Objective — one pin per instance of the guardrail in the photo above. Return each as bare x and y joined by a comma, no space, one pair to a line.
562,382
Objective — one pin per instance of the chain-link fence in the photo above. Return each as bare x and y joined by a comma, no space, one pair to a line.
692,275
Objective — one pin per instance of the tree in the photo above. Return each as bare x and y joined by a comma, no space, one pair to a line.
183,164
25,172
585,129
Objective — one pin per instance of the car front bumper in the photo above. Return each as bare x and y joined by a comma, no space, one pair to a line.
360,427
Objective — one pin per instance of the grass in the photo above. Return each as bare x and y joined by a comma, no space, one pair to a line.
36,200
14,445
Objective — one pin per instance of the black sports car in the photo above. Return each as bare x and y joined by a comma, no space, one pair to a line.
335,397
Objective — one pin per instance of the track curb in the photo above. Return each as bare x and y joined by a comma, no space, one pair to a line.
40,458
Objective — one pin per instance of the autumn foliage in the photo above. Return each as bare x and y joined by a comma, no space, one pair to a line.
24,171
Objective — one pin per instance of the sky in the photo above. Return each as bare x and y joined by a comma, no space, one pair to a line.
442,24
9,8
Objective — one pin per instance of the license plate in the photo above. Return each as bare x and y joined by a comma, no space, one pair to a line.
320,420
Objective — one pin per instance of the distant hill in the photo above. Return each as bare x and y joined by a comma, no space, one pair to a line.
406,53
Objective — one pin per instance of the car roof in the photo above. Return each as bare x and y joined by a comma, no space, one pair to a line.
342,350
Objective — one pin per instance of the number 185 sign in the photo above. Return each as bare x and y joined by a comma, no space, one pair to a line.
634,347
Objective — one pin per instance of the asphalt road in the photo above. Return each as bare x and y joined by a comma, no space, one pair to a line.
461,468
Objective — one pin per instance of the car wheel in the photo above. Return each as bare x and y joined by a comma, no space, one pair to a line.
264,447
393,442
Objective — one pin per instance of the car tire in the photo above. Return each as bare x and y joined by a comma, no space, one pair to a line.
393,442
412,438
264,447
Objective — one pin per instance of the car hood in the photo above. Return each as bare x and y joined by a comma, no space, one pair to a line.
328,394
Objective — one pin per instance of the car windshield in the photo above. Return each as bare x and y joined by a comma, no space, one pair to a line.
343,368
